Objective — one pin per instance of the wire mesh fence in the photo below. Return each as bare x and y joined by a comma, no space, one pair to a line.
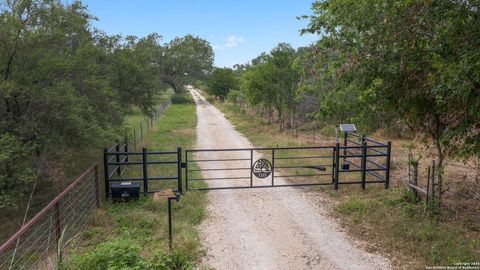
139,130
40,242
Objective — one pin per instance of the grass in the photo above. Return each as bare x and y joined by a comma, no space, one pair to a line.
386,219
134,234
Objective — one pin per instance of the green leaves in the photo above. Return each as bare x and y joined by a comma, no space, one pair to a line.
221,82
384,61
184,60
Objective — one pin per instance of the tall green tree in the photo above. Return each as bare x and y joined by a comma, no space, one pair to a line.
185,60
410,61
272,82
221,82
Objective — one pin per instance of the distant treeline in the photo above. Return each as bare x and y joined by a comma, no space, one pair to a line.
66,86
391,65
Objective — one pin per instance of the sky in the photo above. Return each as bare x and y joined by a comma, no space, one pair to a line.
238,30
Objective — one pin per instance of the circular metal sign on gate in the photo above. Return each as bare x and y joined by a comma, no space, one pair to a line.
262,168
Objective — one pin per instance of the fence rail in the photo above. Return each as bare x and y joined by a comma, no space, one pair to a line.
117,159
40,242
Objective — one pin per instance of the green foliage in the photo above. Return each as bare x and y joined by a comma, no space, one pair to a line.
379,62
353,205
185,60
272,81
222,81
124,254
182,99
15,169
65,86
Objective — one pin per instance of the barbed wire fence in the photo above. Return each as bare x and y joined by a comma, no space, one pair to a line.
40,243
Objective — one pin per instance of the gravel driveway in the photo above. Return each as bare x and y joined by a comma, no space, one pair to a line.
269,228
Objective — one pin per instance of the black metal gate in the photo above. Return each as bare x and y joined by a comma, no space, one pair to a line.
155,170
358,161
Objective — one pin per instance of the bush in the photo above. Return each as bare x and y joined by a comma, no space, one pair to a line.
328,130
182,99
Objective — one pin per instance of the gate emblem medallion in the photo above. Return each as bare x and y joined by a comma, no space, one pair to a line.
262,168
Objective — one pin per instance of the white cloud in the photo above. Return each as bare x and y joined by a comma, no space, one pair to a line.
233,41
218,47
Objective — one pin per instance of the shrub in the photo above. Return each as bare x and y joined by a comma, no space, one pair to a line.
182,99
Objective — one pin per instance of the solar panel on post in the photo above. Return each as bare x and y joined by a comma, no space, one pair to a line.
348,127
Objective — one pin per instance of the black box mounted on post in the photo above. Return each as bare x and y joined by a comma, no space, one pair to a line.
125,190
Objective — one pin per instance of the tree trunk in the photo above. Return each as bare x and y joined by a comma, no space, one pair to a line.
172,83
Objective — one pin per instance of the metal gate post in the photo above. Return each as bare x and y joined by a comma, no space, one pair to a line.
179,170
134,139
186,170
364,164
251,165
333,164
106,172
273,167
117,158
145,172
387,174
337,165
126,151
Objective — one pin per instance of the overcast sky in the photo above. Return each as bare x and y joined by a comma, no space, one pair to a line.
237,30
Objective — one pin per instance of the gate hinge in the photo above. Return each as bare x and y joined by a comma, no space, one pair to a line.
184,164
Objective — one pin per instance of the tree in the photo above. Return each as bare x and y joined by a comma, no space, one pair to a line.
272,81
222,81
184,60
411,61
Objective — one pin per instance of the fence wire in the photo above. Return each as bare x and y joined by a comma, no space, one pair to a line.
39,243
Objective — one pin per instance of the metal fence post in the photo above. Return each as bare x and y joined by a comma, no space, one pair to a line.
170,237
251,165
145,172
333,164
58,231
364,164
337,165
273,167
117,158
433,184
186,170
134,139
179,169
95,182
345,142
387,173
126,150
106,172
427,201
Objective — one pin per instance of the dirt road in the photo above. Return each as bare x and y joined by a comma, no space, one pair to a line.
277,228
